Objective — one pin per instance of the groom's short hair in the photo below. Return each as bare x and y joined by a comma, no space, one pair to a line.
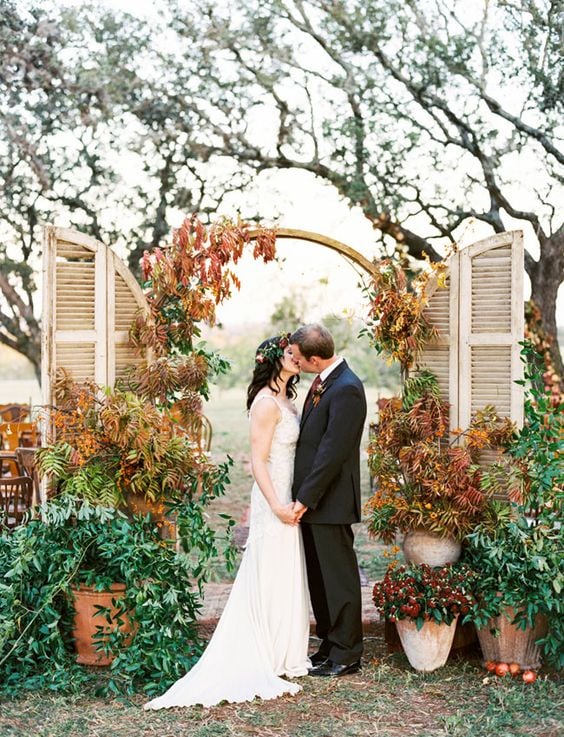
314,340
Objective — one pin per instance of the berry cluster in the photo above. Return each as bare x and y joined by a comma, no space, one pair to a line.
422,593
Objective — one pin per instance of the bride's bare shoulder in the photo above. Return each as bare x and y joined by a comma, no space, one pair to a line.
262,409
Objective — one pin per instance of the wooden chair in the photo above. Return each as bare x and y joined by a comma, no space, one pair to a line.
29,438
26,461
15,432
14,412
16,498
9,465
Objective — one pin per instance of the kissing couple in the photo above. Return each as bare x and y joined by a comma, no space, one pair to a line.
304,499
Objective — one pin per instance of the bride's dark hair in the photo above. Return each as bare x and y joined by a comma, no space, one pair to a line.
268,366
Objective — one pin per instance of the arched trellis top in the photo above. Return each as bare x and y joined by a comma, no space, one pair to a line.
479,316
323,240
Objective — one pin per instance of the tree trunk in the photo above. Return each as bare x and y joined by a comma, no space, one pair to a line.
546,276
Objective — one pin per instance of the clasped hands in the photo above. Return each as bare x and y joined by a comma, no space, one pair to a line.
291,513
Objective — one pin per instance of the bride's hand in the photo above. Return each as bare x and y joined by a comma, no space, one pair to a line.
286,514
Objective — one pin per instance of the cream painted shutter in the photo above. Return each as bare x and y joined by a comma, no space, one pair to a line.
491,324
480,318
441,355
89,300
124,299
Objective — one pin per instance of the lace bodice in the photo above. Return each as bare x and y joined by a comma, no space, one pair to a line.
280,465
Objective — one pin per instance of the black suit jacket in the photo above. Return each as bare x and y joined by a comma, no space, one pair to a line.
327,463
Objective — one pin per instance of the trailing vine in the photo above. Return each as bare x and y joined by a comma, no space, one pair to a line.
76,542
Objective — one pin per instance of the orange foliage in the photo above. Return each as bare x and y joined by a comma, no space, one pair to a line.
396,321
422,480
189,278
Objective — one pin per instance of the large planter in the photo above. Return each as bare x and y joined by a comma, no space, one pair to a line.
464,638
421,546
426,649
88,620
504,642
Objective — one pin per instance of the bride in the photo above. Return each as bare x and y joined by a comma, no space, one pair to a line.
264,629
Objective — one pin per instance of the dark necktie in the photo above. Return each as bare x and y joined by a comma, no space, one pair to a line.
313,387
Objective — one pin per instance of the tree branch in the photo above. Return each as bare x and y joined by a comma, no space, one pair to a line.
535,133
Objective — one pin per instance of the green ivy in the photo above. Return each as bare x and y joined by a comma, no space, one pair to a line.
518,549
75,541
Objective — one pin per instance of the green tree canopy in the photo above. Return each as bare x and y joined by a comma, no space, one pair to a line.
423,114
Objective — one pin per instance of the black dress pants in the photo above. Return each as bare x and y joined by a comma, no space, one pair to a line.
334,586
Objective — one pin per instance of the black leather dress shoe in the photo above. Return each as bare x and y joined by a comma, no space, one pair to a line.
332,669
317,659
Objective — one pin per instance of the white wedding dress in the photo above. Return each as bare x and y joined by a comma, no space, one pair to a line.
264,629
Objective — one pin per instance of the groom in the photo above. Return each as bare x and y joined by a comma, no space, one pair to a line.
326,491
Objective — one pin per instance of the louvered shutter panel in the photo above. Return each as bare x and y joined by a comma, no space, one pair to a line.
441,355
491,324
480,318
124,299
89,300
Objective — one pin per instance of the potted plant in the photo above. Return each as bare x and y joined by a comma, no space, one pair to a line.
517,550
425,603
75,543
425,486
518,588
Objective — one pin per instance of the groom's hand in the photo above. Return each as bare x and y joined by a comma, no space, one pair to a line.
286,514
299,510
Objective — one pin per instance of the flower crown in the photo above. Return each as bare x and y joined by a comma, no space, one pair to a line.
272,350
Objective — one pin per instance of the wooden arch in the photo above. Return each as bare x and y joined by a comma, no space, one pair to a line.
323,240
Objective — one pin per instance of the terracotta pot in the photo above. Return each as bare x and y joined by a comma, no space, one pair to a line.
504,642
87,620
428,648
420,546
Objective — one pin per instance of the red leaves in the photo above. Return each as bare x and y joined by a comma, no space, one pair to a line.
421,479
190,277
396,320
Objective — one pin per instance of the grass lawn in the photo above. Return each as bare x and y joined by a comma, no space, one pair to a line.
387,699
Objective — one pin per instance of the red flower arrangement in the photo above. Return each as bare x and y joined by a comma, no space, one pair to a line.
422,593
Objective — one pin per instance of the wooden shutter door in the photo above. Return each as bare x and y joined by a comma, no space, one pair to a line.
125,297
491,324
480,318
89,300
441,356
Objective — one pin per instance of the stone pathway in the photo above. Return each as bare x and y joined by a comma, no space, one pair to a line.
215,597
215,594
